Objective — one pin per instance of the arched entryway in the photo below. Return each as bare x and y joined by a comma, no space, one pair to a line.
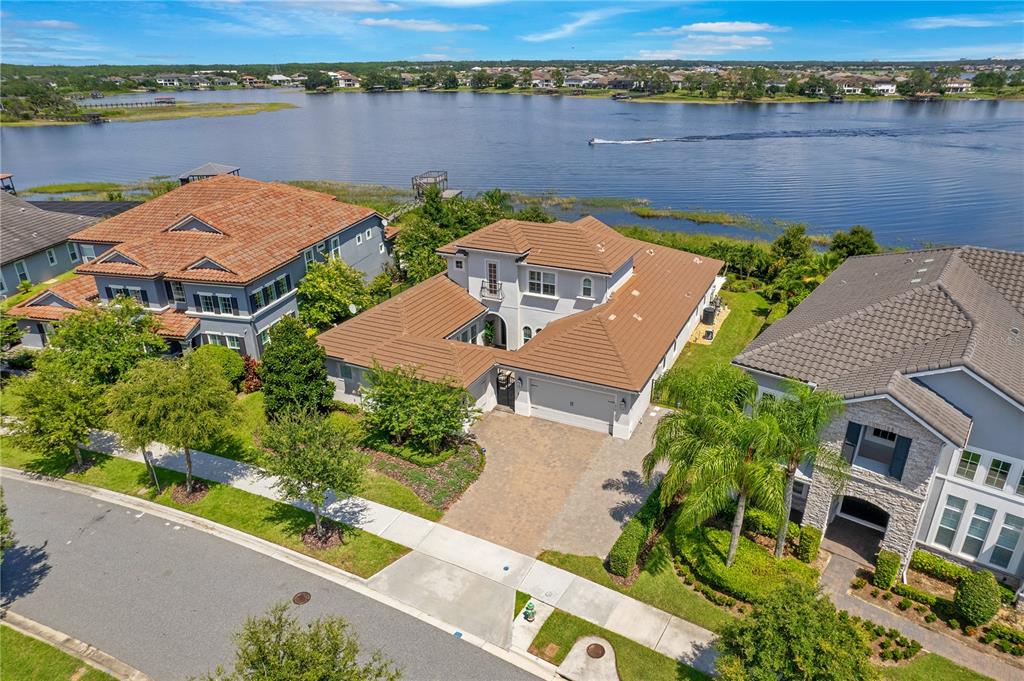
495,331
856,529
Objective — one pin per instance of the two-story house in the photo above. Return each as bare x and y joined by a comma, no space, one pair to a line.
216,260
927,350
570,322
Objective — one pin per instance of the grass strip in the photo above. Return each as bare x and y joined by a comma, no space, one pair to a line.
930,667
633,661
27,659
362,553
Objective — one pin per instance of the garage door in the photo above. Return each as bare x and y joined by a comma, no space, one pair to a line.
570,404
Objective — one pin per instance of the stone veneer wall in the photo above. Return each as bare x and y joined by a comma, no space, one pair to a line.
901,499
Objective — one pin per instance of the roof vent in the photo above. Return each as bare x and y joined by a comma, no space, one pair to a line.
611,317
1014,331
909,260
637,317
915,281
600,248
635,292
650,251
688,294
697,259
929,259
923,269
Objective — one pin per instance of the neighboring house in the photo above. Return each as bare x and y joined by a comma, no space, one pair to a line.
224,82
927,349
956,86
170,79
207,170
343,79
216,261
279,79
581,320
96,209
35,242
541,78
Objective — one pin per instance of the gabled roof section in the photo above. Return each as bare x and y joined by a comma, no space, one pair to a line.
73,294
904,313
114,255
586,244
193,224
209,170
208,264
29,229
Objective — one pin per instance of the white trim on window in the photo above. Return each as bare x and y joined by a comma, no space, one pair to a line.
88,252
22,272
51,256
586,287
73,251
381,248
178,292
359,239
543,284
368,235
308,258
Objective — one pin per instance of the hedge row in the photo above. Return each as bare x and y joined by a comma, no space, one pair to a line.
1008,633
764,523
914,594
938,567
626,550
810,541
887,567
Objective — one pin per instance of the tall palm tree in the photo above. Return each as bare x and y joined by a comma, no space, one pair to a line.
801,416
721,445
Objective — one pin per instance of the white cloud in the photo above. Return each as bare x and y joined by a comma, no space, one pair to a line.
702,45
425,25
718,27
966,21
996,50
55,24
582,20
434,56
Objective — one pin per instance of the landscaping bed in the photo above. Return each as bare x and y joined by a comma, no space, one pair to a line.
439,485
633,661
27,659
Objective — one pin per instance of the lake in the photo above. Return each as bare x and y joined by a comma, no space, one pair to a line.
916,173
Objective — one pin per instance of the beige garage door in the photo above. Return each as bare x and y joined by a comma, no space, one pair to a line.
571,404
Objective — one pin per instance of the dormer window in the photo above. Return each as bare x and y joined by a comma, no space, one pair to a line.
587,287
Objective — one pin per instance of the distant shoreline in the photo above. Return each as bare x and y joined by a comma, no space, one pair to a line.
161,113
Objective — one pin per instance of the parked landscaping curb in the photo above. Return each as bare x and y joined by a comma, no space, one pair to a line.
81,650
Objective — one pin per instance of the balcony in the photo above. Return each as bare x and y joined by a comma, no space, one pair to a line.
491,290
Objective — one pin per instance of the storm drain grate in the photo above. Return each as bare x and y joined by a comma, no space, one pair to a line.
301,598
595,650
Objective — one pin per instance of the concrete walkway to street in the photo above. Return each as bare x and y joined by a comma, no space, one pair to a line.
458,578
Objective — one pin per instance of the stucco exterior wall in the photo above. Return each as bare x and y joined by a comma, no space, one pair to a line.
38,267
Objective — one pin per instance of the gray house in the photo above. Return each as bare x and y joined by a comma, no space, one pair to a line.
34,243
217,261
927,350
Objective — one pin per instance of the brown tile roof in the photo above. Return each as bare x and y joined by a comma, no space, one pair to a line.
175,324
587,244
621,342
411,329
259,226
618,343
77,291
902,313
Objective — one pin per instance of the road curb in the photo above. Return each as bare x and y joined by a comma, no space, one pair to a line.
280,553
81,650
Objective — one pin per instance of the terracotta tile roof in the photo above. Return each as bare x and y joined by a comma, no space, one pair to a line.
77,292
253,228
619,343
587,244
176,325
411,329
903,313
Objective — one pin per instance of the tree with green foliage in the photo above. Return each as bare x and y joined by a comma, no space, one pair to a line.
858,241
102,344
791,246
719,447
293,371
311,456
318,79
56,407
992,80
795,633
802,413
450,81
480,79
659,83
136,404
505,81
427,79
525,78
405,409
225,361
276,647
331,292
919,80
6,532
10,334
558,77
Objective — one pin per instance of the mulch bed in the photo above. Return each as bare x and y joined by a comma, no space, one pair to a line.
440,485
76,468
334,535
199,490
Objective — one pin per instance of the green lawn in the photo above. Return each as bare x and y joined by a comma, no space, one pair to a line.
362,553
634,662
522,598
930,667
27,659
36,289
662,589
747,314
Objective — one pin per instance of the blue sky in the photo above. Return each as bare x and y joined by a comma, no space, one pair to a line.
277,31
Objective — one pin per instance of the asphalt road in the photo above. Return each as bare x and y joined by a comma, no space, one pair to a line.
166,599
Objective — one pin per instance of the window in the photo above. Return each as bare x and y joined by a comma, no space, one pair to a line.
359,239
233,342
977,531
1020,481
998,471
73,251
587,287
206,303
178,291
1006,543
380,248
369,234
226,304
459,264
335,247
51,257
3,284
267,294
950,521
527,333
537,330
308,257
88,252
799,489
968,465
472,334
883,434
541,283
19,268
322,248
346,371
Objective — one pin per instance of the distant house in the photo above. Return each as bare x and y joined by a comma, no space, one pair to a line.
117,80
957,86
343,79
170,79
224,81
253,82
541,78
196,83
279,79
299,78
618,81
207,170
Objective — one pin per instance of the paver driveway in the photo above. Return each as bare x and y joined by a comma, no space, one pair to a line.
551,486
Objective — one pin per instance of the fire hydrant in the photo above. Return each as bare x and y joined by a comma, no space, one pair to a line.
529,612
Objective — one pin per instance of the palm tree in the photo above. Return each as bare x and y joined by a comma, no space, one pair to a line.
720,446
801,415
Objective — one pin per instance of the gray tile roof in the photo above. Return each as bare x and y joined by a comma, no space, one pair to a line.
26,229
209,170
96,209
878,318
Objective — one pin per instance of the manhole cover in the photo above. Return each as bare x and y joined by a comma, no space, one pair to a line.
303,597
595,650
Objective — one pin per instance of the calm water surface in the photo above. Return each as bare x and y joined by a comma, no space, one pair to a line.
947,172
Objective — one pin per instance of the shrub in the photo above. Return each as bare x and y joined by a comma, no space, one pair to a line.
885,644
977,597
228,362
887,596
764,523
904,604
293,371
914,594
24,359
938,567
626,550
754,575
251,378
1004,646
858,583
930,617
1009,633
874,593
1006,594
887,566
953,624
810,540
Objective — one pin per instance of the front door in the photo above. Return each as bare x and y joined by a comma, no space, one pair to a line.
506,389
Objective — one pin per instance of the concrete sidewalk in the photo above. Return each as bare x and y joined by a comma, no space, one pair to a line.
458,578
